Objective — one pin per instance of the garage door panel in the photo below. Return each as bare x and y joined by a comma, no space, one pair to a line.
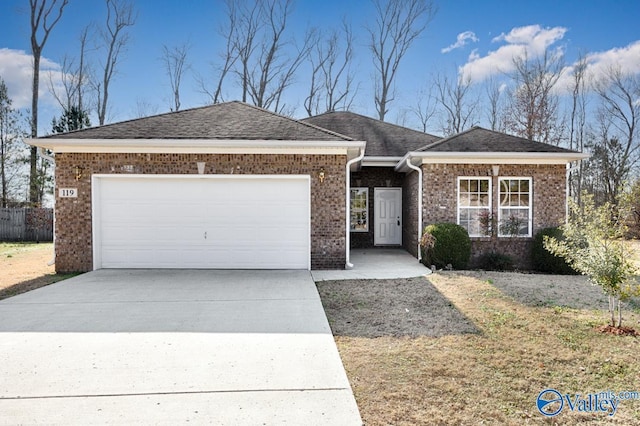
172,222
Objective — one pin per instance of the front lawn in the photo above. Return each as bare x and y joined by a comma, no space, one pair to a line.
24,267
478,348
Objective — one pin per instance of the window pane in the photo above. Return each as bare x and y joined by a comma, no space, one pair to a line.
504,186
524,185
473,185
524,199
484,185
464,185
358,207
514,185
484,200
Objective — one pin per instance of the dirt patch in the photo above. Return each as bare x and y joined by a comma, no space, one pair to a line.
402,307
617,331
24,267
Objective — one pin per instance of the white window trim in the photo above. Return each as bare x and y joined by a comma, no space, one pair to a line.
529,207
479,178
366,191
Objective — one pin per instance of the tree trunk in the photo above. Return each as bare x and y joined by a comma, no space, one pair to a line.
33,158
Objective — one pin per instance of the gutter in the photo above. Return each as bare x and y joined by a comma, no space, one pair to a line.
419,170
348,264
52,160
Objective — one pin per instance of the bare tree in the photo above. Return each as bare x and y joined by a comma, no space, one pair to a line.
145,108
10,148
425,108
229,56
249,22
494,108
120,16
317,58
398,24
457,109
578,123
532,111
331,74
259,52
72,78
175,64
273,70
43,17
618,149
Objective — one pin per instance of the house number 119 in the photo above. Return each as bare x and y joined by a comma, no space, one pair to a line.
68,193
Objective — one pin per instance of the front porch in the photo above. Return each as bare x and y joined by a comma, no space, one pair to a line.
379,219
376,263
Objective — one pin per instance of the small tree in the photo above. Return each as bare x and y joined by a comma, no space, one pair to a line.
592,246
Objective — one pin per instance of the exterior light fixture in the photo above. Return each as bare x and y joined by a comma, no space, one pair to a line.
321,175
78,172
201,165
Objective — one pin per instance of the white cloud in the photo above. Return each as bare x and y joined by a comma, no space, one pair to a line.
532,40
462,40
16,69
625,59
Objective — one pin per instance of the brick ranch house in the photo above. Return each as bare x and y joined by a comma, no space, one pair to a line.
234,186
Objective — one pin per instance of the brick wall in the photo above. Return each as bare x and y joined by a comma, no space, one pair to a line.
549,208
74,250
410,224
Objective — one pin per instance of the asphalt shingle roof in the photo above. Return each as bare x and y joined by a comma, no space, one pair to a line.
225,121
383,139
478,139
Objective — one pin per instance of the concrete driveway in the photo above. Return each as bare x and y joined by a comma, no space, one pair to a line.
172,346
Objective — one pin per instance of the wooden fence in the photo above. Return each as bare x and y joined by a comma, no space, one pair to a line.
26,224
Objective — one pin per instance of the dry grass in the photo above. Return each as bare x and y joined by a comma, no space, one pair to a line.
532,332
23,267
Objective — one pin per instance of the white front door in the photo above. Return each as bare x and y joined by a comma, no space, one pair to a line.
387,216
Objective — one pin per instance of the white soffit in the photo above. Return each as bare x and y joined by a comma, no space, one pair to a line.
198,146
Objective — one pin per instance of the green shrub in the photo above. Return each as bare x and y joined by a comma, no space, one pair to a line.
542,260
452,246
495,262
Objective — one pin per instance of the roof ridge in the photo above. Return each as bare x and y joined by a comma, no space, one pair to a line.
448,138
493,132
374,119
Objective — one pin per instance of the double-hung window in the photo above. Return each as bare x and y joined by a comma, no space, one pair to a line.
474,203
359,209
514,211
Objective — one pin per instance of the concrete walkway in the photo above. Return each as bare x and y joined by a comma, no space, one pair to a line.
378,263
170,347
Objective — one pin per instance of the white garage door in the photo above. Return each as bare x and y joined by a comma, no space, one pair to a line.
228,222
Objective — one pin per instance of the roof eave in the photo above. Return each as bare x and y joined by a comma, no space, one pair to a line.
380,161
432,157
198,146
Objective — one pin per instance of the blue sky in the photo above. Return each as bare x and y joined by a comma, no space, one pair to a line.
475,37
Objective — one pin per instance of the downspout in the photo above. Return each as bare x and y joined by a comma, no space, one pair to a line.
348,264
43,154
419,170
